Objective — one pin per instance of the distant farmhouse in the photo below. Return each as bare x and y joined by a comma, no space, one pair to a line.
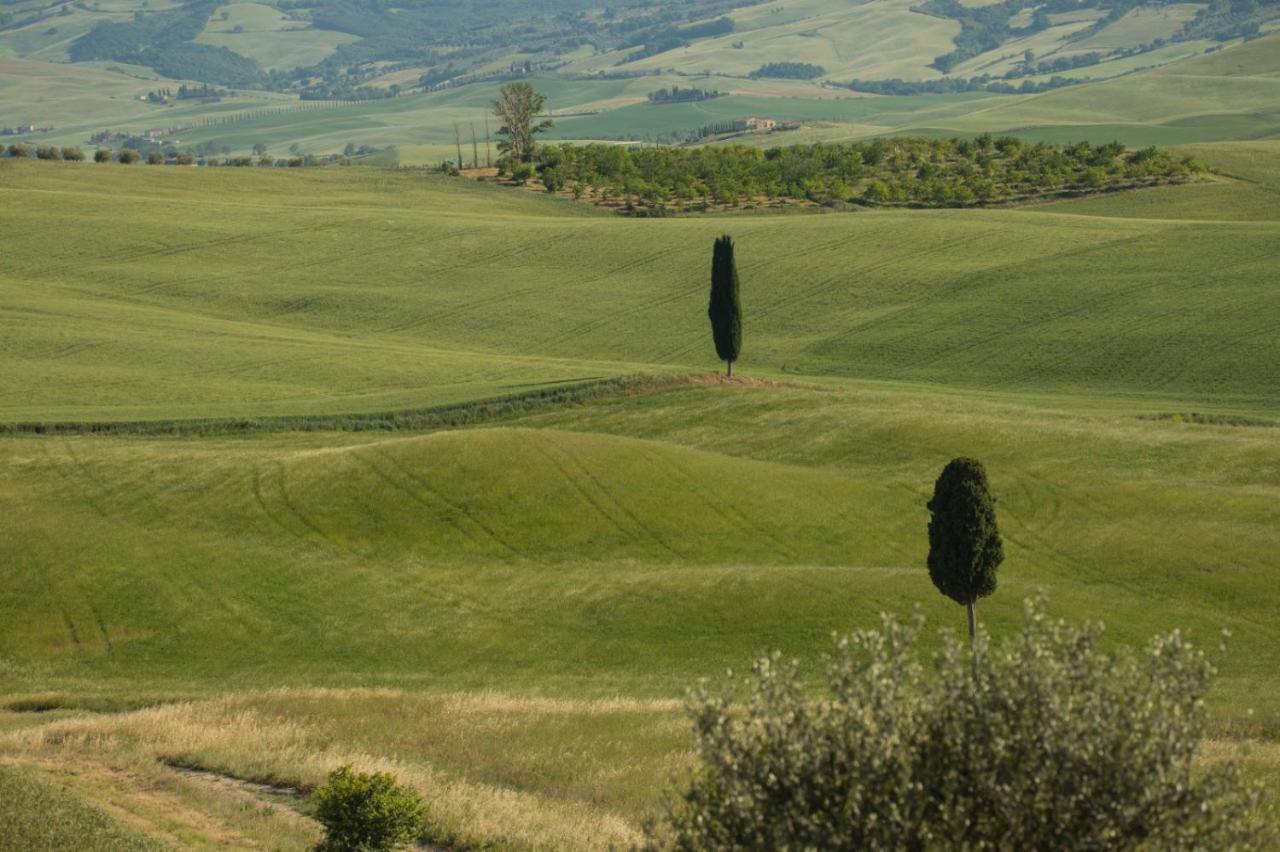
761,124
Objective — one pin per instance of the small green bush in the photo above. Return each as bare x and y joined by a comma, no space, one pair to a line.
128,156
1048,744
72,155
364,811
102,155
19,151
523,173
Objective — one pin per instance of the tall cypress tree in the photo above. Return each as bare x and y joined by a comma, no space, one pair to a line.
725,310
964,543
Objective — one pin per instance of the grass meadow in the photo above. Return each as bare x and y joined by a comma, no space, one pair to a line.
197,628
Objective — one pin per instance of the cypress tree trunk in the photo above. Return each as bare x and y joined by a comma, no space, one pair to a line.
973,635
728,369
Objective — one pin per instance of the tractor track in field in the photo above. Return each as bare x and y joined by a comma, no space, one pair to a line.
724,508
644,530
422,483
293,510
449,515
274,517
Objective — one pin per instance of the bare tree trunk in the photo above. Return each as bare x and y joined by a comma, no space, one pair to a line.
457,141
729,369
475,148
488,152
973,635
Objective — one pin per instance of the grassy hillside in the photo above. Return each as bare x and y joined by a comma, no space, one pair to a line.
351,291
446,584
197,629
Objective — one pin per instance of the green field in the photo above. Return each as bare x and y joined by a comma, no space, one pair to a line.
506,614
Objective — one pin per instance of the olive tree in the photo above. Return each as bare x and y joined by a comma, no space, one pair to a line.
1053,744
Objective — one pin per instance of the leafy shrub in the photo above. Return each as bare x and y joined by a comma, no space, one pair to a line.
74,155
1050,744
522,172
128,156
48,152
19,150
363,811
155,158
102,155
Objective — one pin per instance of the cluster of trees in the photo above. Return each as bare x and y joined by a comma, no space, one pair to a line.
449,38
788,71
1044,742
915,171
676,94
984,28
22,151
157,156
165,41
661,40
951,85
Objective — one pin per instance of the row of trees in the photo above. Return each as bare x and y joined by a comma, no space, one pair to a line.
157,157
22,151
916,171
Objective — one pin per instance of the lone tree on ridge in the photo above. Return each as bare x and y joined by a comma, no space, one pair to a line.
964,543
725,310
518,105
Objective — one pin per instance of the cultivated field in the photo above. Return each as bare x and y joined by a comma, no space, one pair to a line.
505,613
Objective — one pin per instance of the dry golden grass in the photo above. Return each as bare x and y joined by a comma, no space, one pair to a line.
124,762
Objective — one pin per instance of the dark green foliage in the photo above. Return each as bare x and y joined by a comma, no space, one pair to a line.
19,150
964,543
789,71
1051,745
903,171
982,28
73,154
725,310
676,94
128,156
367,811
102,155
166,42
48,152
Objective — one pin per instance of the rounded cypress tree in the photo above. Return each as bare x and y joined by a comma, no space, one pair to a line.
964,543
725,310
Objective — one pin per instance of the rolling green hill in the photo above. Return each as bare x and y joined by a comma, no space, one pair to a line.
505,614
349,291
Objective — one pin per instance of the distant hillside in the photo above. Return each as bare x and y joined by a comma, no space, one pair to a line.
372,48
